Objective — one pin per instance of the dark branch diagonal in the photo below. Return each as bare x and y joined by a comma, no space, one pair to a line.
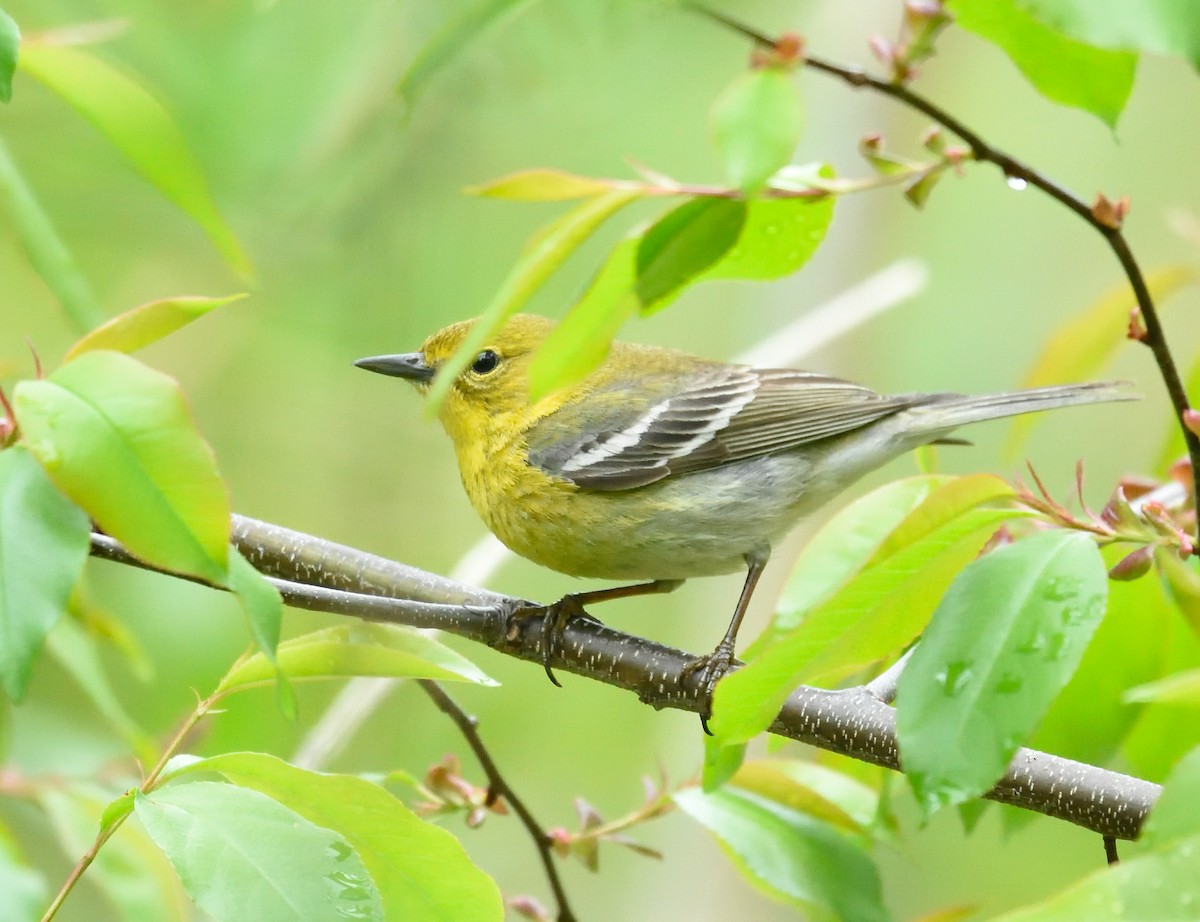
853,722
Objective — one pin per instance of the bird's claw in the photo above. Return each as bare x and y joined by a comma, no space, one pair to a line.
708,671
554,618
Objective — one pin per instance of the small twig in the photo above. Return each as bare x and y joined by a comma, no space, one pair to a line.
498,787
883,686
1110,850
1154,338
148,783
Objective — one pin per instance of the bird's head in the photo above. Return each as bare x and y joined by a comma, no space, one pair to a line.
494,384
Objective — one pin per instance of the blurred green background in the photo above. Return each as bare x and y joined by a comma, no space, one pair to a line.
350,204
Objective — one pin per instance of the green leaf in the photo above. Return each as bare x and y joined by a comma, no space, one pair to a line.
141,128
1162,885
451,40
1157,26
1182,582
44,541
130,871
1176,813
577,346
789,855
813,790
263,607
778,237
1087,341
720,762
549,251
22,889
1165,731
756,123
842,547
117,437
1091,717
235,848
358,649
1003,643
1180,688
682,244
118,809
10,49
1061,69
541,186
421,871
147,323
874,615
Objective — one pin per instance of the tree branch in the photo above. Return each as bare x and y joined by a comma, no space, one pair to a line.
1154,338
853,722
498,787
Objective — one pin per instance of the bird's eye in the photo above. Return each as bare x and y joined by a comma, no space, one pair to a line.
485,362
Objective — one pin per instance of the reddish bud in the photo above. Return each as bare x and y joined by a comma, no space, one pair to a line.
1181,471
588,817
1134,565
1109,213
883,50
789,48
529,908
1136,329
1000,537
560,841
1191,420
871,144
1118,513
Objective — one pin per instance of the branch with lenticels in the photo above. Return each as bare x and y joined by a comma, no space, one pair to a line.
315,574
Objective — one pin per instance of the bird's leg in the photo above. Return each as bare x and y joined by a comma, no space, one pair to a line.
709,669
556,617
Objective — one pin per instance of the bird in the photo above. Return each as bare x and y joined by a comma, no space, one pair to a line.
661,466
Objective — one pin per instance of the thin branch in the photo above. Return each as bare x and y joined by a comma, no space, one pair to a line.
883,686
851,722
1110,850
1155,337
498,787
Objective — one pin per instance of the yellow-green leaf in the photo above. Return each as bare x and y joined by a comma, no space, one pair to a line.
1062,69
117,437
1087,341
10,45
549,251
541,186
147,323
358,649
141,128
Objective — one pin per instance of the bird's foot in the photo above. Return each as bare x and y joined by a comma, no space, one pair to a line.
705,672
555,619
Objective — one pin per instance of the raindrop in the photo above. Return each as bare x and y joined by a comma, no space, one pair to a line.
1016,182
1061,588
954,677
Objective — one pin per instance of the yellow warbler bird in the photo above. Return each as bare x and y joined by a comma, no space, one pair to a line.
662,466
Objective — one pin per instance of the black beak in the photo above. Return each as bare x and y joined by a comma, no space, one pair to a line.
410,365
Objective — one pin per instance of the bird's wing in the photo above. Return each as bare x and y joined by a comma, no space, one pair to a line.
724,413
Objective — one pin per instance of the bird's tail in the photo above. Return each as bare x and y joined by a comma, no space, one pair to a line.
944,412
